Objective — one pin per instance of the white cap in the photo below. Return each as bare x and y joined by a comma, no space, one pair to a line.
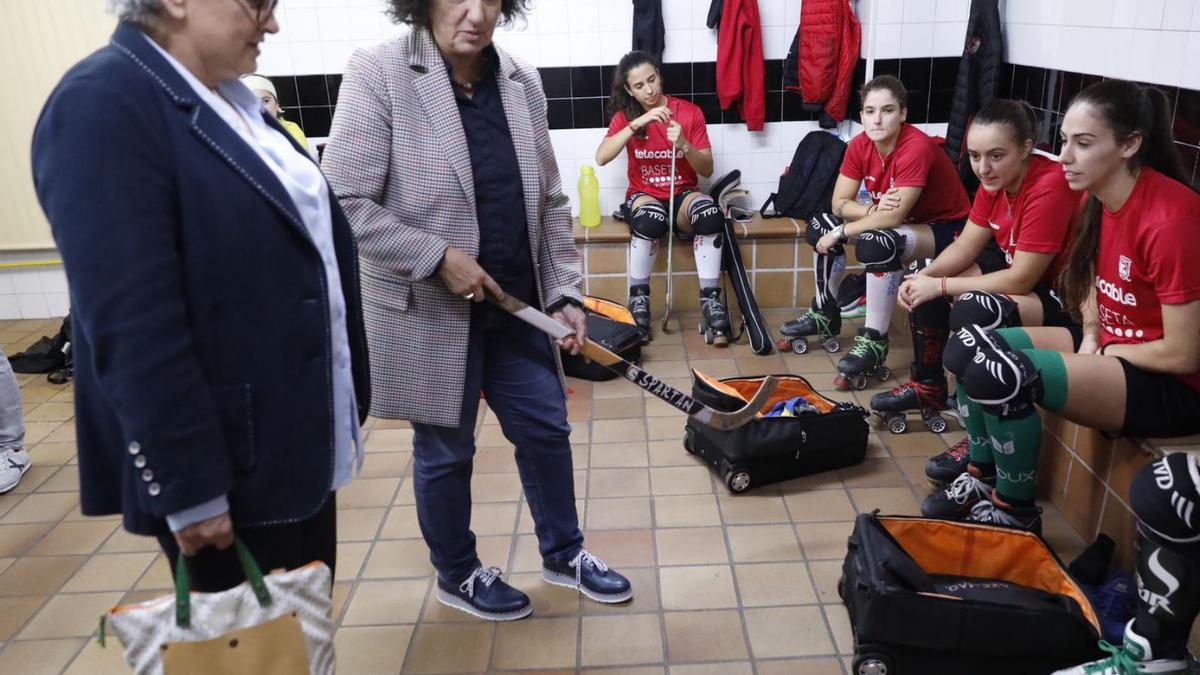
258,82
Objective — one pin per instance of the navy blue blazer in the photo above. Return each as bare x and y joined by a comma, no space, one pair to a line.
198,301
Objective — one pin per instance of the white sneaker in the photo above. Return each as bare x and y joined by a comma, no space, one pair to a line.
1131,658
13,465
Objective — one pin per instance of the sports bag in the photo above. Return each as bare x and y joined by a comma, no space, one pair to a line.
611,325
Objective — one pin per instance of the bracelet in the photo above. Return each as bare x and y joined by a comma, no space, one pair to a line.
943,286
1101,352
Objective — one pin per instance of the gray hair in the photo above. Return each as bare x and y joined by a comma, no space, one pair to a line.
134,11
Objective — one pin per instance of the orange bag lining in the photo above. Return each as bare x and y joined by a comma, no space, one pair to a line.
789,387
609,309
961,549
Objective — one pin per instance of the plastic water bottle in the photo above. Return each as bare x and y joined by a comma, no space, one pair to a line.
589,197
864,196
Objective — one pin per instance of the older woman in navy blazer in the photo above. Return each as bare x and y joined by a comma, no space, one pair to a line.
221,368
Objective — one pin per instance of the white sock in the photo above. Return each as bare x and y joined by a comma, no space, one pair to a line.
836,266
882,288
910,242
642,252
708,259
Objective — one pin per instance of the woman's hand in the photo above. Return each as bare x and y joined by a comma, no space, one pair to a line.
826,242
216,531
1090,344
675,135
659,114
918,289
463,276
575,319
889,200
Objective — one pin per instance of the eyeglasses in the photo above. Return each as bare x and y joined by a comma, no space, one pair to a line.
260,10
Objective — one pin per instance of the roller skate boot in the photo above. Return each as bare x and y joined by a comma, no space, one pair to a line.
927,398
815,321
714,319
865,359
639,307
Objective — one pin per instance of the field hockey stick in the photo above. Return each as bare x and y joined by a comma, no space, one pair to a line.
670,240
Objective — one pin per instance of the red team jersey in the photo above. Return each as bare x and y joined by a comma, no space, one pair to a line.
1037,220
1148,258
916,161
650,157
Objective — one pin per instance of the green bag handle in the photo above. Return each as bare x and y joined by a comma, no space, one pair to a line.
183,600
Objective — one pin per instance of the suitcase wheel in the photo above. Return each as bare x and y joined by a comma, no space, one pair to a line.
688,439
841,587
873,663
738,479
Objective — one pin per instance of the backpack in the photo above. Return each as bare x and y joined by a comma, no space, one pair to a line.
47,355
806,186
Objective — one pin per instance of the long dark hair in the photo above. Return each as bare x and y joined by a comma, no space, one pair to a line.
621,100
416,12
1018,116
1127,109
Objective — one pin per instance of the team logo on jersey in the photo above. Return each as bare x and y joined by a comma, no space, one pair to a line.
1115,292
1124,268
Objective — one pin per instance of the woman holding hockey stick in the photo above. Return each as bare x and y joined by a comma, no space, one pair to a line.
659,133
917,207
1133,280
440,153
1003,265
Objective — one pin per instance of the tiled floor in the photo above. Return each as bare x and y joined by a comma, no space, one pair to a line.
722,584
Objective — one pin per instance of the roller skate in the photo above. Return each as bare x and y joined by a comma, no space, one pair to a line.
639,307
927,398
714,319
813,322
865,359
943,468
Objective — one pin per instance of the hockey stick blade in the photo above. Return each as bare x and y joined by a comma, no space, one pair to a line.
717,419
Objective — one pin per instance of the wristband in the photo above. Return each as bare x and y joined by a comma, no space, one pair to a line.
943,287
840,233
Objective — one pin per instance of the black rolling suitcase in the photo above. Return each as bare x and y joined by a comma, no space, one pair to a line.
610,324
937,597
772,449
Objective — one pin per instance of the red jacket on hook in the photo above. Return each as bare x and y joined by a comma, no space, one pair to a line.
824,55
740,61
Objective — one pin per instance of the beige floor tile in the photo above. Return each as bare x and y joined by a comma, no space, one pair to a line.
619,455
97,660
109,572
526,557
122,541
616,408
493,518
35,479
36,432
74,538
495,487
157,577
714,367
621,640
548,599
17,610
656,407
341,594
618,513
494,550
825,575
399,558
371,650
873,473
389,440
691,546
729,668
667,428
680,480
752,509
401,523
367,492
915,442
62,433
618,483
762,543
69,616
704,636
686,510
51,454
619,430
897,500
627,670
770,584
581,434
670,452
824,541
350,557
913,470
536,643
38,657
697,587
821,666
386,602
816,506
644,583
657,353
32,575
839,624
17,539
622,548
5,563
51,411
494,460
41,508
385,465
450,648
788,631
358,524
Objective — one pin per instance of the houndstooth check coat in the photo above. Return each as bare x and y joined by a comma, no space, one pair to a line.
398,162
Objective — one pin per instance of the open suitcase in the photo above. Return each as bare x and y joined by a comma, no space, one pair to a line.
611,325
772,449
937,597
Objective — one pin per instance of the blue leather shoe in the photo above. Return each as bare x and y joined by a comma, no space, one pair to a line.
590,576
484,595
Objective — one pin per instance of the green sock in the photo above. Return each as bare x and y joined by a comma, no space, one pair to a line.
1054,377
977,437
1016,442
1017,338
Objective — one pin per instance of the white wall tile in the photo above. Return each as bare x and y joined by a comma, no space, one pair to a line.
704,45
862,10
613,46
1022,12
678,14
1095,13
1195,19
6,283
918,11
335,54
1191,75
1170,55
53,280
887,11
887,41
948,38
300,25
1150,14
583,16
334,23
1177,14
307,58
953,10
554,50
773,13
679,46
1054,13
10,307
33,306
551,16
1125,14
585,49
58,304
777,40
916,39
25,281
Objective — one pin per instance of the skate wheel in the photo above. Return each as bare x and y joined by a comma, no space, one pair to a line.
800,346
860,382
700,328
897,425
936,424
841,382
738,479
883,373
783,344
832,345
708,337
872,664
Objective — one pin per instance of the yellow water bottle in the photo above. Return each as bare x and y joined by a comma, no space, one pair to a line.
589,197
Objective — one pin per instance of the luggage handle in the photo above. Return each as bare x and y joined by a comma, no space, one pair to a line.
183,600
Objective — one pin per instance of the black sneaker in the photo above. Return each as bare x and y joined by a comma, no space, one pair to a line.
951,464
590,576
957,500
995,512
639,307
484,595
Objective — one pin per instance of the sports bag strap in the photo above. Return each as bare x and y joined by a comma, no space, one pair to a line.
183,600
763,209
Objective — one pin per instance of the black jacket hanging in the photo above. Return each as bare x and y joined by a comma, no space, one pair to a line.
649,34
978,82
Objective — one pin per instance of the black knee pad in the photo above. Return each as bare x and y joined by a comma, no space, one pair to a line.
1164,496
1003,381
821,225
1168,585
648,221
964,342
705,216
984,309
880,250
